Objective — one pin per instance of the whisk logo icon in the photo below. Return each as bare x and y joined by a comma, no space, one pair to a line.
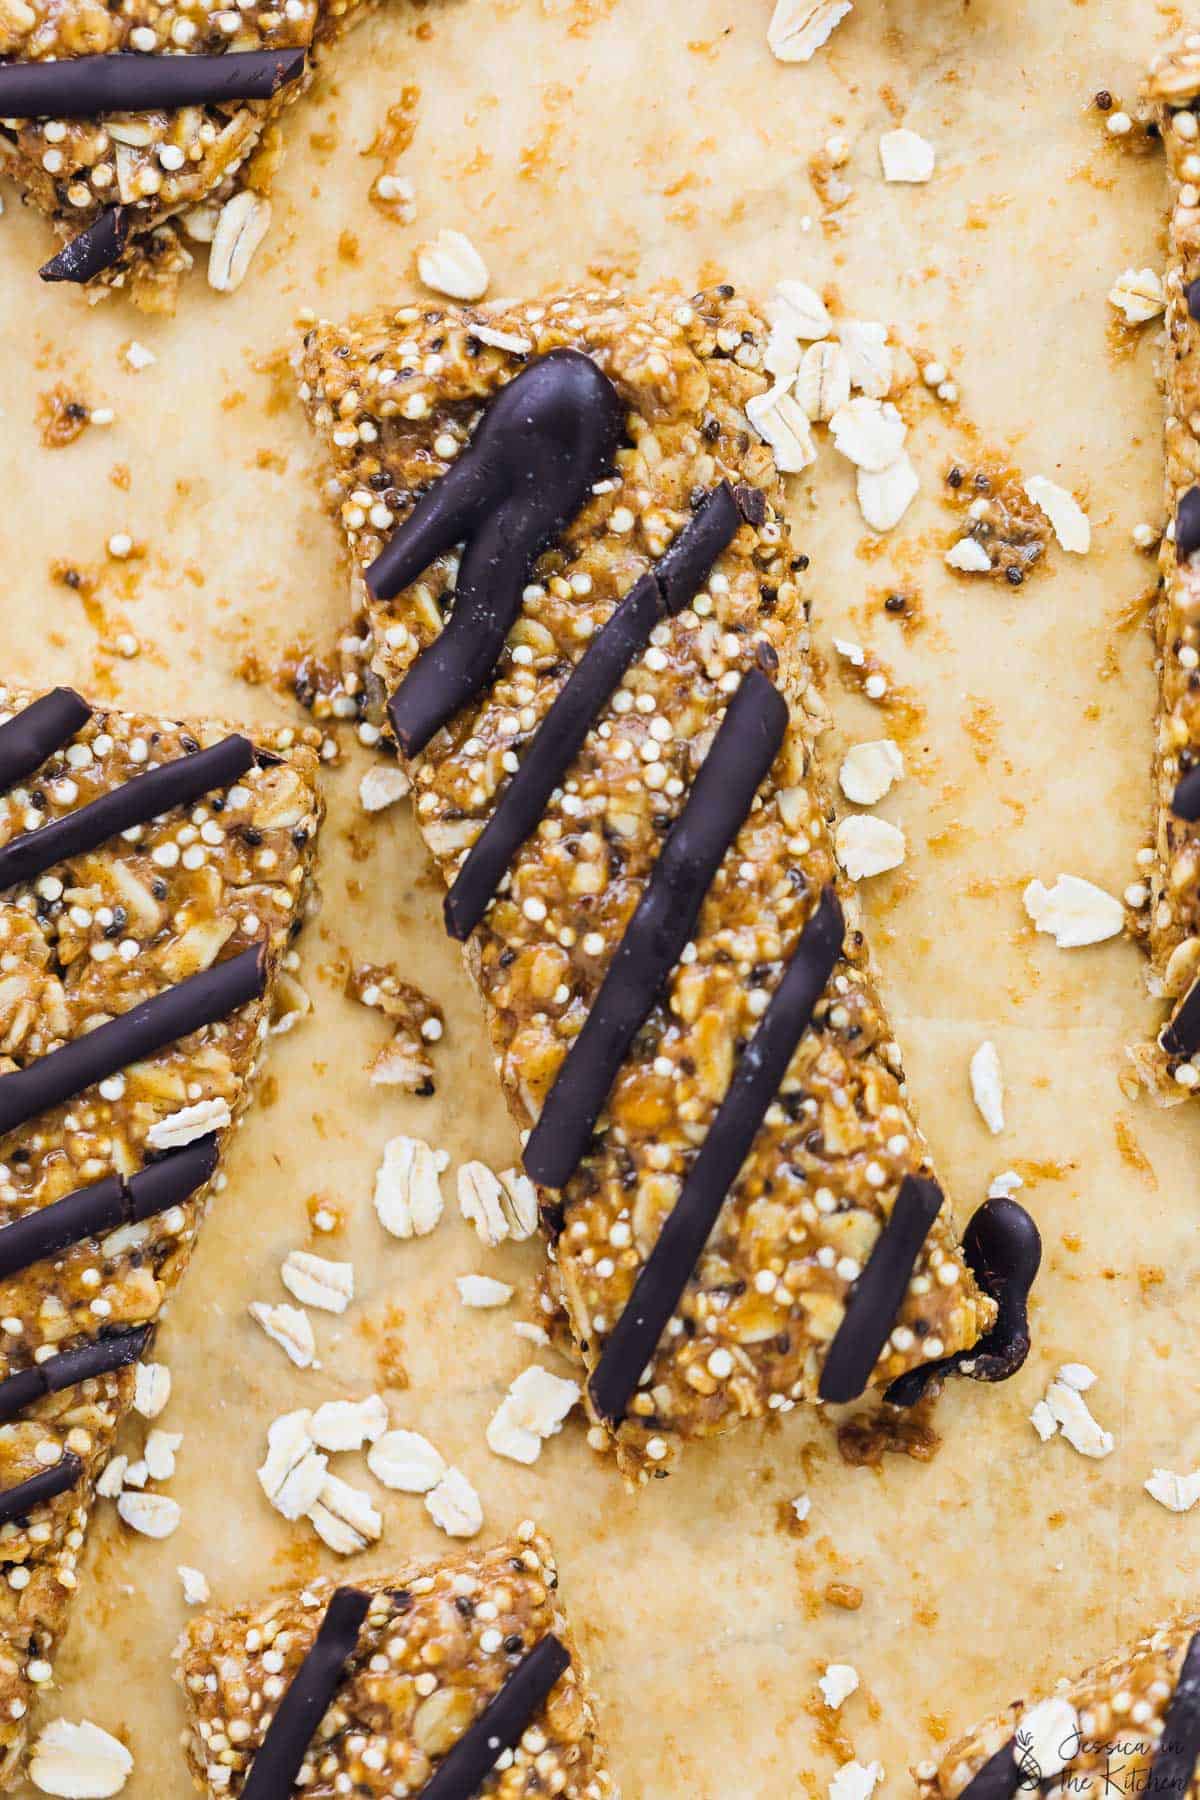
1027,1765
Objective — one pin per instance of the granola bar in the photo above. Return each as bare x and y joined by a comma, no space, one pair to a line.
446,1679
578,826
1169,920
152,876
1131,1725
136,157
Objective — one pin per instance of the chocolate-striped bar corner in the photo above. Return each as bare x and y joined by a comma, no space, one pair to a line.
153,875
1131,1725
613,762
425,1681
1165,897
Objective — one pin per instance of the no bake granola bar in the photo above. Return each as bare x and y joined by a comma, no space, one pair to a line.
1169,922
638,849
445,1680
152,877
146,129
1129,1725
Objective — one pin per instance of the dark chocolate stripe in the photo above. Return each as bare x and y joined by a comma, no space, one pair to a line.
665,589
999,1778
1192,295
756,1081
1181,1037
37,732
1187,525
877,1295
1185,801
94,1211
1002,1247
499,1727
100,1357
136,802
84,87
664,919
542,443
17,1502
1174,1762
143,1030
93,250
274,1770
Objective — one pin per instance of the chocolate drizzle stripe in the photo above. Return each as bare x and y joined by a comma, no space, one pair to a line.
543,442
877,1295
499,1727
58,1372
135,802
143,1030
664,590
1002,1248
17,1502
274,1770
93,250
84,87
756,1081
1174,1761
998,1779
663,920
1181,1037
37,732
1185,801
93,1211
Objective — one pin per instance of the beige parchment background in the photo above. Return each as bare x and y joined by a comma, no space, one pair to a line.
658,139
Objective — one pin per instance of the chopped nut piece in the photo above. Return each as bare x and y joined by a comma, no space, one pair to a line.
79,1762
906,156
987,1086
854,1782
294,1472
454,1506
406,1461
152,1389
1066,1408
196,1591
1048,1730
868,846
452,265
381,787
869,770
241,228
1178,1493
188,1124
348,1424
154,1515
1137,294
837,1684
408,1199
1067,518
969,557
532,1411
343,1517
419,1023
483,1291
288,1327
315,1281
798,28
1074,912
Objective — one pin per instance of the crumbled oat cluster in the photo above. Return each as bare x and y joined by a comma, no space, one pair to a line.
1098,1731
438,1644
1165,899
84,942
397,396
176,168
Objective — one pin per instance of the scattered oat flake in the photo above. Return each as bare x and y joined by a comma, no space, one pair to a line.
853,653
869,770
799,310
349,1424
532,1334
483,1291
79,1762
454,1506
1074,912
196,1591
869,432
315,1281
969,557
1066,516
885,495
112,1477
293,1473
1004,1185
781,422
452,265
839,1681
344,1518
801,1506
188,1124
498,1206
138,357
798,28
406,1462
154,1515
1065,1408
532,1411
288,1327
382,786
159,1455
512,341
1137,294
854,1782
906,156
987,1086
864,342
1178,1493
241,226
867,846
408,1199
823,380
151,1389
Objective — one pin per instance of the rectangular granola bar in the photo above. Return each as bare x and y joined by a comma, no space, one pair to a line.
135,157
397,1703
399,398
1169,922
1129,1725
143,947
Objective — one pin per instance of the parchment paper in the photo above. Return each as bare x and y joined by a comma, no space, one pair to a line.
661,140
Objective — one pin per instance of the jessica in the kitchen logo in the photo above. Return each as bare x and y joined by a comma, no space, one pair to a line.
1118,1766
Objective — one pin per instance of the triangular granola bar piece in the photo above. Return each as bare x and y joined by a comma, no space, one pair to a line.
152,877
